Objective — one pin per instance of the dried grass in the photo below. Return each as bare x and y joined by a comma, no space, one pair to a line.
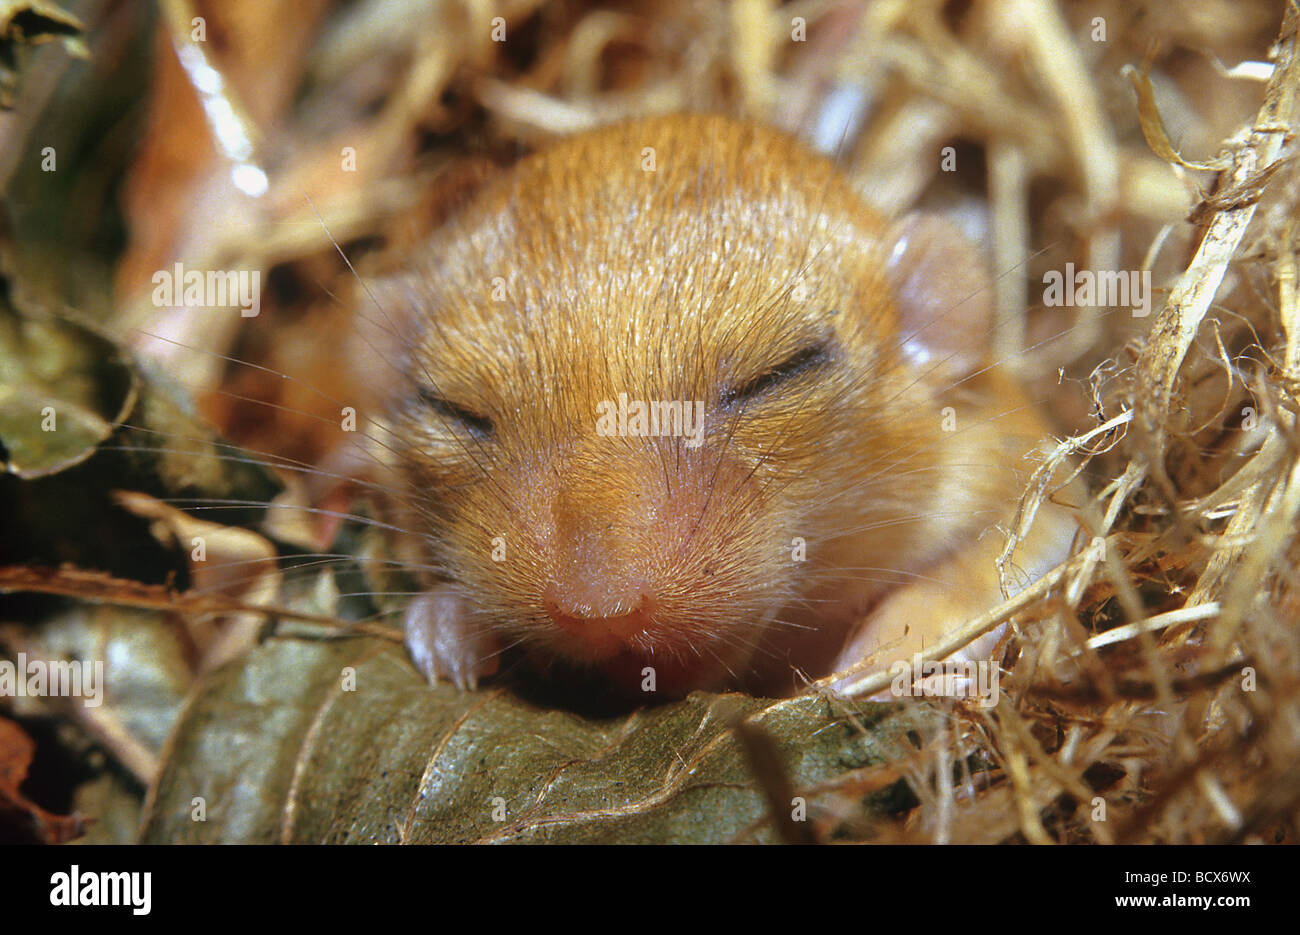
1155,676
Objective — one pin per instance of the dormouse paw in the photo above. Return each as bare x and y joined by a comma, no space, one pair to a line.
445,644
907,623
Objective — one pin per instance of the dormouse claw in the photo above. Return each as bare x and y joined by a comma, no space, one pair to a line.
444,644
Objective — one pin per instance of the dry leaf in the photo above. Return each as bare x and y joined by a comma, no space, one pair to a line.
16,752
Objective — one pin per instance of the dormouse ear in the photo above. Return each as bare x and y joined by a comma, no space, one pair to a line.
384,332
944,296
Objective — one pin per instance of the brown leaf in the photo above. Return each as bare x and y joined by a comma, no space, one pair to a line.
16,752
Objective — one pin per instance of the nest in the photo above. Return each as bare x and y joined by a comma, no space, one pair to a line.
1151,685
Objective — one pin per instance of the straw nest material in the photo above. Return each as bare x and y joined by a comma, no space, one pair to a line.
1151,686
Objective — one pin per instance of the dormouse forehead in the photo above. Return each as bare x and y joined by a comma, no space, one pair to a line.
682,260
683,305
729,241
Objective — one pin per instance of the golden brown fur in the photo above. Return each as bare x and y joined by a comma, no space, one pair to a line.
580,275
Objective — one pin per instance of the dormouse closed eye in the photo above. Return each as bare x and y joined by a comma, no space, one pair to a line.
803,362
456,416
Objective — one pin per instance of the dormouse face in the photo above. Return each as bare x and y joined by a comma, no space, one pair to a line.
643,372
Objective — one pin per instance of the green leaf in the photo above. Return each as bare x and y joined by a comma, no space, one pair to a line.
277,749
62,388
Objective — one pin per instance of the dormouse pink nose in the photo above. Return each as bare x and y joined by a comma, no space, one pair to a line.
600,620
